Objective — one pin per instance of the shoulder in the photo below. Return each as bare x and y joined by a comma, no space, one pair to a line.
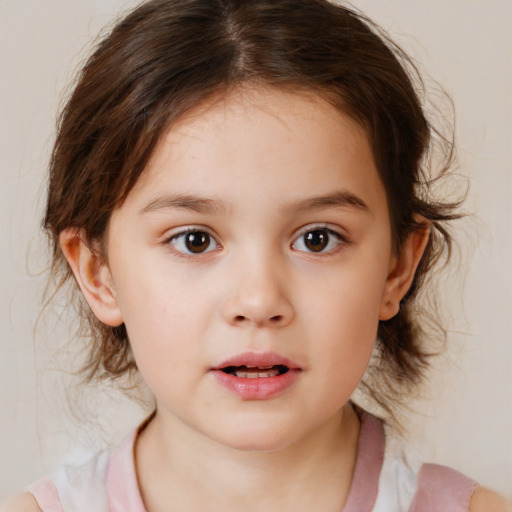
407,483
74,487
485,500
23,503
442,488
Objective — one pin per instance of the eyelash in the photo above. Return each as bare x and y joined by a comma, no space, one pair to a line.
178,237
213,245
341,240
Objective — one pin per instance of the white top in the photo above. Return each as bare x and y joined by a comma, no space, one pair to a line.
387,478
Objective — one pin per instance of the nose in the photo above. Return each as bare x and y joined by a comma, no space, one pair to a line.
259,296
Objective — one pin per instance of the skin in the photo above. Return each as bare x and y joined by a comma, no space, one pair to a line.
261,157
484,500
257,170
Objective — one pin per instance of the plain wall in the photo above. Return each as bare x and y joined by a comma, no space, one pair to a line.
465,419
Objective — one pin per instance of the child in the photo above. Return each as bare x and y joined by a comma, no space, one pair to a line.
238,189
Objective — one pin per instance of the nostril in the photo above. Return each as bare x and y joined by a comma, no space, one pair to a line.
277,318
239,318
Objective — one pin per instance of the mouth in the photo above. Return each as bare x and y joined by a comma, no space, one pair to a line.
257,376
255,372
257,365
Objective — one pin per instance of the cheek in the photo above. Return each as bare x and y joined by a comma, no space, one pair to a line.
349,338
164,317
347,298
344,320
343,355
161,339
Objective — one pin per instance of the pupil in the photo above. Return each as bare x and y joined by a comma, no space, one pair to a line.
316,241
198,241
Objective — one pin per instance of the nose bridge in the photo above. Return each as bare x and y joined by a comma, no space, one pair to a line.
258,289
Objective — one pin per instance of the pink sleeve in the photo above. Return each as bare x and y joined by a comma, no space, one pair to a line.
442,489
46,495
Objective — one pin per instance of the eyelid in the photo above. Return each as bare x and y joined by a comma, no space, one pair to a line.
182,231
330,229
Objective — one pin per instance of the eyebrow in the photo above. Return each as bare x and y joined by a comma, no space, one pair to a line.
338,199
185,202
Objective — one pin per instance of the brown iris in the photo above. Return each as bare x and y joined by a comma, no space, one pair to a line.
197,241
317,240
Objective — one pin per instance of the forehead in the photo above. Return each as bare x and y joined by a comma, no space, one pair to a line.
262,141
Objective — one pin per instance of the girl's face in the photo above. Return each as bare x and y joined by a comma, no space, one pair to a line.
256,242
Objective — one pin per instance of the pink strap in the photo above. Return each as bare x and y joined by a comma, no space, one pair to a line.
442,489
46,495
122,487
370,455
124,495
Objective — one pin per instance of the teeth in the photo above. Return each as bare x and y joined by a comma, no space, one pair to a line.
255,372
255,375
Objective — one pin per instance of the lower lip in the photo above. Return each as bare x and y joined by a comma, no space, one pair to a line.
261,388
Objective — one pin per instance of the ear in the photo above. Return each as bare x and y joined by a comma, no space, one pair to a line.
402,269
92,275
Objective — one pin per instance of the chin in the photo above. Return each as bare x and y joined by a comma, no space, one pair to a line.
262,444
258,437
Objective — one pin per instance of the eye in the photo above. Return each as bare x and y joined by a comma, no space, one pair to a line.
194,241
318,240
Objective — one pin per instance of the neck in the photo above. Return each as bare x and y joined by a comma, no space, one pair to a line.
180,469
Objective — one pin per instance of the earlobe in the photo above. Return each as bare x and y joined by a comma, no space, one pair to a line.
92,275
403,269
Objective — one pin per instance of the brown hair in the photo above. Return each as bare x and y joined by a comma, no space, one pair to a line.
168,55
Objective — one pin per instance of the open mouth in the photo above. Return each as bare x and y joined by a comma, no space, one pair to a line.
257,375
256,372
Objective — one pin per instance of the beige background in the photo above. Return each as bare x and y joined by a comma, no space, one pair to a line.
467,421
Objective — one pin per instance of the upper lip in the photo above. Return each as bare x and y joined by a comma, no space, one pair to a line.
258,359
